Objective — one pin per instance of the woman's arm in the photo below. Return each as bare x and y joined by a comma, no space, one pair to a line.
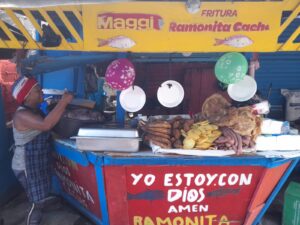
25,119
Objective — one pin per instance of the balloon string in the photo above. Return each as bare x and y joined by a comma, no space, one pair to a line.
170,71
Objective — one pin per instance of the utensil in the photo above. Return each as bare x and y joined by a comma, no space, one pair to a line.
133,99
170,94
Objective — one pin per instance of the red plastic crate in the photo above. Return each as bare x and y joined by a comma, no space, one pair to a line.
8,71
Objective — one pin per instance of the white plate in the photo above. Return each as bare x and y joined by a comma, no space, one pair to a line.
170,94
242,90
133,99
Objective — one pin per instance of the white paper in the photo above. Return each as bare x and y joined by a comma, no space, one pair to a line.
271,126
279,154
218,153
281,143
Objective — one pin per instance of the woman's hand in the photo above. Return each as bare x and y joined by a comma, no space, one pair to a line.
254,64
67,97
25,119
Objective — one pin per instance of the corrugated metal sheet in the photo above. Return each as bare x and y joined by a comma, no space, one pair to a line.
283,71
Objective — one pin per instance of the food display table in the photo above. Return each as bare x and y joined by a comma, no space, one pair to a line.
152,189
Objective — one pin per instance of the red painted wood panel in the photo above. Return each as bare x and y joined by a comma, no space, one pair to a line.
79,182
253,214
116,194
268,181
180,194
199,84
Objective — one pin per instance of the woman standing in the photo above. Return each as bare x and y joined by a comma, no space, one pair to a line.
31,157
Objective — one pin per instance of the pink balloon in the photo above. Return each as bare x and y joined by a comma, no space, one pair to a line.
120,74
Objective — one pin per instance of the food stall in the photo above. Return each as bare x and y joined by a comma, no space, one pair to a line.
196,169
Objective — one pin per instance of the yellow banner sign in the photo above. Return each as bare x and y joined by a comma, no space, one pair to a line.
173,27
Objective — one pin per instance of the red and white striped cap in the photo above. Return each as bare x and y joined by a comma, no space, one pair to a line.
22,88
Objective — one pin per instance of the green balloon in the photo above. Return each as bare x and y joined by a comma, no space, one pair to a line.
231,68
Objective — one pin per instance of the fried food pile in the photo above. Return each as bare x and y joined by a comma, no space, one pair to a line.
220,127
167,134
240,120
201,136
215,108
230,140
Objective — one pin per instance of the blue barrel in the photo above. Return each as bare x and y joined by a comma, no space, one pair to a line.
8,183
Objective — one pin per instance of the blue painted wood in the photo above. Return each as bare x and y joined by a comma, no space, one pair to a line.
95,158
71,153
101,193
185,160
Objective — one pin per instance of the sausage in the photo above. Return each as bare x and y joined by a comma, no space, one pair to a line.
162,145
159,139
246,140
175,119
252,144
240,144
228,145
229,135
178,144
187,125
159,130
158,134
176,133
176,124
159,124
173,139
235,138
221,140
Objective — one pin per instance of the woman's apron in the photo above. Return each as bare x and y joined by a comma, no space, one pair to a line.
37,158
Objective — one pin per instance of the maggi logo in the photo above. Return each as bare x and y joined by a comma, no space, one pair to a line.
136,21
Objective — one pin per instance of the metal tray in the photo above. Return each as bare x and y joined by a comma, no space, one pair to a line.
115,144
108,132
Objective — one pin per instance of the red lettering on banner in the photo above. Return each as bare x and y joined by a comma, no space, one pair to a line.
128,21
239,26
217,27
219,13
212,27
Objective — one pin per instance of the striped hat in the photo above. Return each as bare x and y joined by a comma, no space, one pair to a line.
22,87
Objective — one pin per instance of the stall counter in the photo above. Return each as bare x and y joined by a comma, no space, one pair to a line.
152,189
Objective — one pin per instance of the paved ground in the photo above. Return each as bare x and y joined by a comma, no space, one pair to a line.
57,213
60,213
